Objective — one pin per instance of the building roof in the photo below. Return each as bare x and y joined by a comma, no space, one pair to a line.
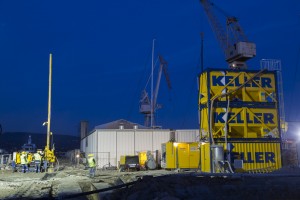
121,122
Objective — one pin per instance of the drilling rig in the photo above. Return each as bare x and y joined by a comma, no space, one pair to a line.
49,152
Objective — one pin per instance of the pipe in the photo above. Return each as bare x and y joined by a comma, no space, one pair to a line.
49,102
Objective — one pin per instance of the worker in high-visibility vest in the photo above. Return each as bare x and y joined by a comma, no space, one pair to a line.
24,162
92,165
37,162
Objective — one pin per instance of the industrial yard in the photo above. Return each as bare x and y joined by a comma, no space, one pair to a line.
238,146
72,182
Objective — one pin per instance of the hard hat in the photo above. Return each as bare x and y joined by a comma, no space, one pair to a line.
23,152
91,155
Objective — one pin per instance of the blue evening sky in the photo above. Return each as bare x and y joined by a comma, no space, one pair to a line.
102,58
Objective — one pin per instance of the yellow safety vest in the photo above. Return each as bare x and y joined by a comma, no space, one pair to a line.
23,159
37,157
91,162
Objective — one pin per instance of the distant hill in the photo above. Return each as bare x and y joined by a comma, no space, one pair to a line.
13,141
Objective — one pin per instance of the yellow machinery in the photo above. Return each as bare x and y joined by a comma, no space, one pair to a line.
242,155
180,155
147,160
129,162
142,158
239,115
48,154
239,121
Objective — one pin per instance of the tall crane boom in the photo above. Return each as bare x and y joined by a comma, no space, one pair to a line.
233,41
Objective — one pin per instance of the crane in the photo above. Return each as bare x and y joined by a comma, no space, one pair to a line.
233,41
146,107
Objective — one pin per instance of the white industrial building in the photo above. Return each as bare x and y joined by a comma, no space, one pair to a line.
109,141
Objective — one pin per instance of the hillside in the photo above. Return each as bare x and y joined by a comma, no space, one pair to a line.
13,141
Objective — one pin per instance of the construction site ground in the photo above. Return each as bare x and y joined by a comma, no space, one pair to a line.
73,182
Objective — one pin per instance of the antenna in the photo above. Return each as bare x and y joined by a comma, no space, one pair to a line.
152,69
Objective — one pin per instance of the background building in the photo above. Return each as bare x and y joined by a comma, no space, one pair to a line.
109,141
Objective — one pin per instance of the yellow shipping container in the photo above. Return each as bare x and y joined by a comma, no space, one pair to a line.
242,122
214,82
180,155
256,155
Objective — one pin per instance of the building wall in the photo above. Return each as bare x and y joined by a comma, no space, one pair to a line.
109,145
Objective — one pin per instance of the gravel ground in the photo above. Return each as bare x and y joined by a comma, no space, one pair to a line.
156,184
195,187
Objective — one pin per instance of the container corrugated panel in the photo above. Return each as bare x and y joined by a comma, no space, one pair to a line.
187,135
257,156
125,143
242,122
106,147
214,82
106,141
143,141
159,137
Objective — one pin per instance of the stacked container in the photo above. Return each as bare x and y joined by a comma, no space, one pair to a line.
240,109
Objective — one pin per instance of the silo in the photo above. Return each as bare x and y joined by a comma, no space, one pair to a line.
83,128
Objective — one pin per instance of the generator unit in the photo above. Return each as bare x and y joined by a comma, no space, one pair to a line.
180,155
129,162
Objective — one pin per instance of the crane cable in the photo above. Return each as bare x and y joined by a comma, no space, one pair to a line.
151,74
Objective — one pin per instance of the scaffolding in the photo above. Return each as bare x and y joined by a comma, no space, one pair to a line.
275,65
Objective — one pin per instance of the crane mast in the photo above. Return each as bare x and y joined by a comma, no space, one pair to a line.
145,102
233,41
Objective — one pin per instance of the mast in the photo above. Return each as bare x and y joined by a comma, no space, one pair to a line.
152,103
49,102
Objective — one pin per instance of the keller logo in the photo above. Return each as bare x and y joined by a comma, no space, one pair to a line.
264,82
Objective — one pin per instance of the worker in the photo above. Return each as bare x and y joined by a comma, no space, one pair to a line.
37,161
13,166
24,162
44,163
92,165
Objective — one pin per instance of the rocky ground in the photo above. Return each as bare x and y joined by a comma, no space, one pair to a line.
156,184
